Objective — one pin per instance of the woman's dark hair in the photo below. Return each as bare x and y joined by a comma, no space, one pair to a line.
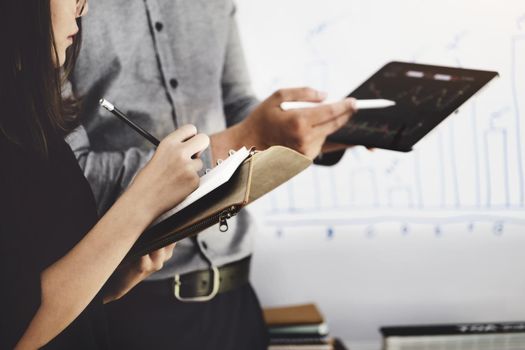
32,108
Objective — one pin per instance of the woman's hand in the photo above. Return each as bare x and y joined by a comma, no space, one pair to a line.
169,177
172,174
129,275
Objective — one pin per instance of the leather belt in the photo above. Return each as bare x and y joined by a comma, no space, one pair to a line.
203,285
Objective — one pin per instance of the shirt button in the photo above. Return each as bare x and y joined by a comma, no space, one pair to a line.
174,83
159,26
204,245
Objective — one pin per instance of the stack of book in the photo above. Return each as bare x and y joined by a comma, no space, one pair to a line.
300,327
478,336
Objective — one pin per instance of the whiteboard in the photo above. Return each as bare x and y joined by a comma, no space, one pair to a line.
384,238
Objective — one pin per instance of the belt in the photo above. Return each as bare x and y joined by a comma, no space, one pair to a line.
203,285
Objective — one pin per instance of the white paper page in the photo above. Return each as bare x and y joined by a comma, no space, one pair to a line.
212,180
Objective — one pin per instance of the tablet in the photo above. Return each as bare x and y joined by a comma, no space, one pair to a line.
425,95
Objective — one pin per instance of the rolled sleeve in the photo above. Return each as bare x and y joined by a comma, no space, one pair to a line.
108,173
238,97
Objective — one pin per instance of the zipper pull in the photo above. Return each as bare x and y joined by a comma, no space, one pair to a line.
223,222
224,216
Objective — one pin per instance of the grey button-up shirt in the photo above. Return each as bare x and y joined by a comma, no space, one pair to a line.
165,63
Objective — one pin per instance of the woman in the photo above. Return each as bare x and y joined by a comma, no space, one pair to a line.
55,257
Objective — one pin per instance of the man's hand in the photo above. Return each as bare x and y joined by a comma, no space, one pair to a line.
304,130
128,276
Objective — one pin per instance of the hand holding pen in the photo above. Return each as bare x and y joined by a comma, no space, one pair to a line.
172,174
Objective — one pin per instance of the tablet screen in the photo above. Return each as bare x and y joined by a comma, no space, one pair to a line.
425,95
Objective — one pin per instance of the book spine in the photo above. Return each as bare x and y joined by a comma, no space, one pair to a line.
458,329
299,341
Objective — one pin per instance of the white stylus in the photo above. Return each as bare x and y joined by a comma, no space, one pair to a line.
360,104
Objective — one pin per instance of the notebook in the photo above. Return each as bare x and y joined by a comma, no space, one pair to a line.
235,183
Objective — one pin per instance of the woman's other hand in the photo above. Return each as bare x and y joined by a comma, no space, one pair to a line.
129,275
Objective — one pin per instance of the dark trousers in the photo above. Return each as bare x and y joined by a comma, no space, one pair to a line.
231,321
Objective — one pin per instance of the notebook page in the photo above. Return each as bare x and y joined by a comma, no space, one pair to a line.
212,180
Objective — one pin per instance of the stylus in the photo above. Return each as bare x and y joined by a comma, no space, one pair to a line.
360,104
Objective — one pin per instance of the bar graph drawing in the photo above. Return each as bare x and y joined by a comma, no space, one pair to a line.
470,170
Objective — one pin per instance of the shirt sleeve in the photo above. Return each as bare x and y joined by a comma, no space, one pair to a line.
108,173
238,97
329,159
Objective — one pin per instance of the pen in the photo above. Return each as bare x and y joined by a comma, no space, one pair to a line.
360,104
110,107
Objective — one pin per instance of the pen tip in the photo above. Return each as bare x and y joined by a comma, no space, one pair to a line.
106,104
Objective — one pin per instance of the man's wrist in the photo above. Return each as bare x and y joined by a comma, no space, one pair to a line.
251,134
233,138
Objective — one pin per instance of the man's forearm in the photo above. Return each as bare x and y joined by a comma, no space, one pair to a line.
304,130
233,138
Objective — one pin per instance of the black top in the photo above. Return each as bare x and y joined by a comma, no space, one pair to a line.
46,207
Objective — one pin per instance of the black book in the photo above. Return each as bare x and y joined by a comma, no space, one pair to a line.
454,329
299,341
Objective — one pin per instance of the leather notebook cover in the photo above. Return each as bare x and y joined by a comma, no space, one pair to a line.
259,174
307,314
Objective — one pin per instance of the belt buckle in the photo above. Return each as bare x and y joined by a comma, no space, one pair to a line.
215,288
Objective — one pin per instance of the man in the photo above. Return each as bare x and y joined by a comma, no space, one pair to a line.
169,63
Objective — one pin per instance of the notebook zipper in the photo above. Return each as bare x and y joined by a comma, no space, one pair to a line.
221,218
225,215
